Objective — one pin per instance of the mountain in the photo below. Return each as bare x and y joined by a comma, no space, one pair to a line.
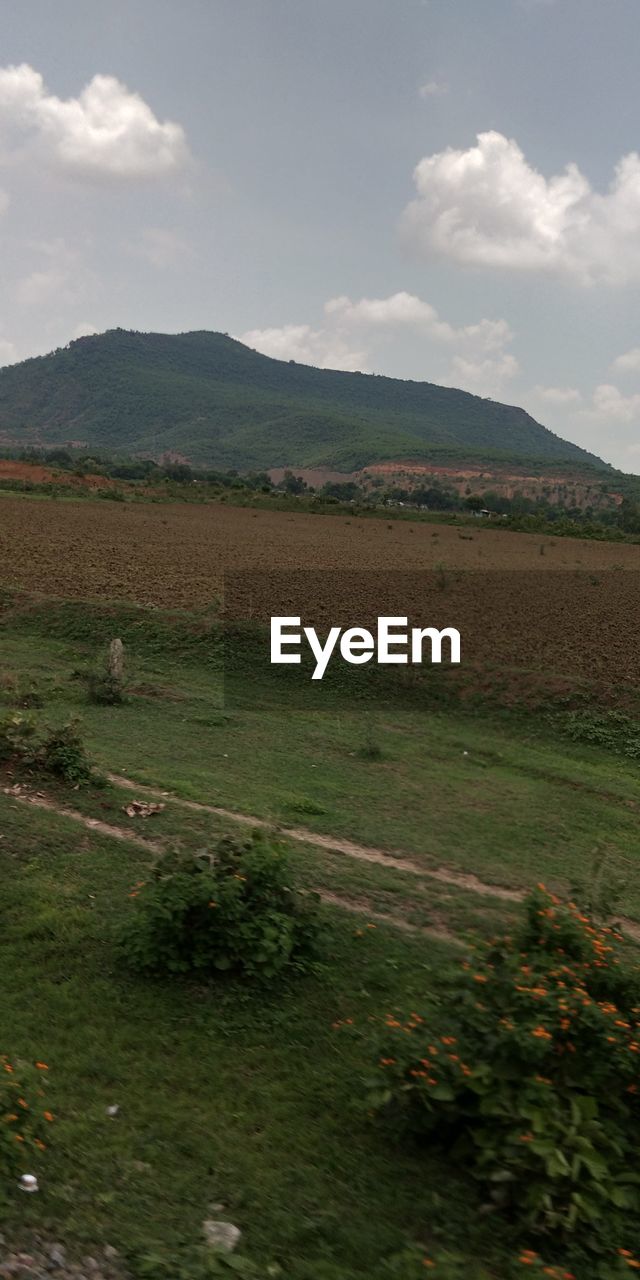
217,403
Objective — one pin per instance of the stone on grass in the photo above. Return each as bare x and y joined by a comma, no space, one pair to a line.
116,660
221,1235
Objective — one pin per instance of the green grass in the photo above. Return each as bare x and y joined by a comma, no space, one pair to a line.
224,1096
233,1096
495,798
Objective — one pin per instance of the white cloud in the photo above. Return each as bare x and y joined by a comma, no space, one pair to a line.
400,310
61,280
40,287
8,354
106,132
300,342
476,358
84,330
559,395
488,206
406,310
160,246
629,362
483,377
433,89
611,405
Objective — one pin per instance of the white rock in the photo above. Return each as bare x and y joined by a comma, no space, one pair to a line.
221,1235
29,1182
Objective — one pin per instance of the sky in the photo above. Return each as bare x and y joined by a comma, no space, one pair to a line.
443,190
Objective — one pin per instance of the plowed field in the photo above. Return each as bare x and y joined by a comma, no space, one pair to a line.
568,606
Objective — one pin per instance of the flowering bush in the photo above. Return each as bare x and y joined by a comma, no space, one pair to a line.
232,909
23,1118
531,1080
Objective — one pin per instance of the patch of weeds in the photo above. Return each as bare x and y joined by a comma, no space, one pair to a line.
370,748
104,689
305,806
613,730
58,750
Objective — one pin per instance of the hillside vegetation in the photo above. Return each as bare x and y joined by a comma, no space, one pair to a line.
214,401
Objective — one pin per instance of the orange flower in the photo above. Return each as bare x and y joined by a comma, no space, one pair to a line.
541,1033
48,1116
42,1066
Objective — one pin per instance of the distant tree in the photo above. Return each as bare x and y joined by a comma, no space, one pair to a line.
293,484
343,491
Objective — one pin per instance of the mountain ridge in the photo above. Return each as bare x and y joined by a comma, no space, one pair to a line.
219,403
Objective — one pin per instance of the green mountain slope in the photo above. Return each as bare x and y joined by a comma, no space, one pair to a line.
216,402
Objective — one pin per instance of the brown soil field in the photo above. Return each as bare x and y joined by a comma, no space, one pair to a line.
37,474
557,605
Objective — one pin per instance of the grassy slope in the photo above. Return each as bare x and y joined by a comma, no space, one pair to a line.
214,400
516,808
226,1100
221,1099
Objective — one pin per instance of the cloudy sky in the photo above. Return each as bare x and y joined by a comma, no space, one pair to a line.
445,190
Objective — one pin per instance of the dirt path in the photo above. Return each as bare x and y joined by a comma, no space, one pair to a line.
358,906
348,848
39,801
363,853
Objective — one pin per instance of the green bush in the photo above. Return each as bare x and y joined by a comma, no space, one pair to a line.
230,910
17,738
103,689
23,1120
530,1080
62,753
58,751
612,730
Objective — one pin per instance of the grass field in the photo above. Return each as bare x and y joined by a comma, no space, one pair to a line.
226,1097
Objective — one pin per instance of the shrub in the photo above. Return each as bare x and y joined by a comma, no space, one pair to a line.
62,753
230,910
103,689
23,1119
531,1079
612,730
58,751
17,738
